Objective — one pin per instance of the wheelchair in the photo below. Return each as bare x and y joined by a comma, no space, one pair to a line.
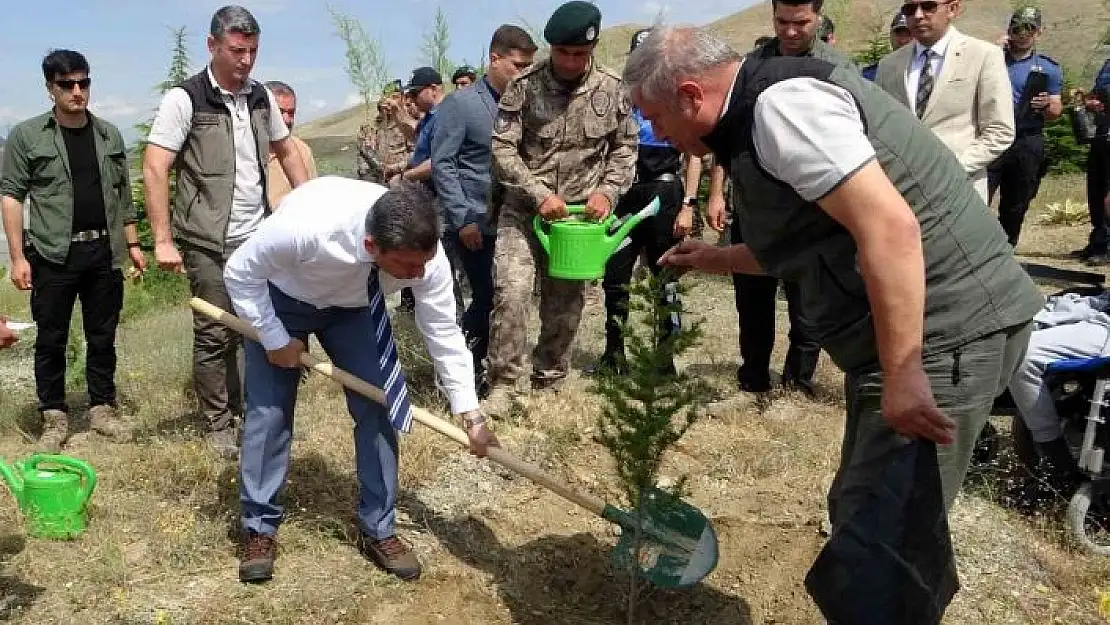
1080,389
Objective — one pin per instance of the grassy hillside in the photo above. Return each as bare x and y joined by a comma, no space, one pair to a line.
1071,28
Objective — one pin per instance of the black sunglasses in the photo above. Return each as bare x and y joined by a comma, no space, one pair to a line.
927,6
67,84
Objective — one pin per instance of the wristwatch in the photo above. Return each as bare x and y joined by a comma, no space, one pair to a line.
478,420
692,202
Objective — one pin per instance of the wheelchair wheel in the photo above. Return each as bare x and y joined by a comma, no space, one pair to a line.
1093,537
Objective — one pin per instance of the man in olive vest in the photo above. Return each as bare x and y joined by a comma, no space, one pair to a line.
906,278
216,130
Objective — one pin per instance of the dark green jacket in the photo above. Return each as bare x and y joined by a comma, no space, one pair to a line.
819,50
973,284
36,166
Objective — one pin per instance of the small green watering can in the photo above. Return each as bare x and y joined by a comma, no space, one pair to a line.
578,249
53,493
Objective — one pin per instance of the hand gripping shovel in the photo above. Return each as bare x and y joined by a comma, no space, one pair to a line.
678,544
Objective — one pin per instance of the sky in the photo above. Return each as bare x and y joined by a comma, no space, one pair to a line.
127,43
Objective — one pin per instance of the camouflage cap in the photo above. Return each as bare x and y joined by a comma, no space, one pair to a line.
392,86
464,70
1026,16
576,23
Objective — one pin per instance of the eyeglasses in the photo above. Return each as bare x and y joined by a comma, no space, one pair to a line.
68,84
1022,30
928,7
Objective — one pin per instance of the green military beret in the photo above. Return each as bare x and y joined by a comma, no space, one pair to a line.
576,23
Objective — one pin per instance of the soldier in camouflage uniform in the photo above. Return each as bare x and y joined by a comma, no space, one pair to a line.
391,142
563,135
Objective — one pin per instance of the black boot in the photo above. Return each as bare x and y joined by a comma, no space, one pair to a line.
1061,470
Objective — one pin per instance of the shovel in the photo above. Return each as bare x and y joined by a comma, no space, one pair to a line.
678,544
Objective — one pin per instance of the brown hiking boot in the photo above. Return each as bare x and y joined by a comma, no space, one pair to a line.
256,563
224,442
55,431
392,556
104,420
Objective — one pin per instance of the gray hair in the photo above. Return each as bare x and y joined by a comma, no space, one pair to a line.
233,19
279,88
405,218
671,53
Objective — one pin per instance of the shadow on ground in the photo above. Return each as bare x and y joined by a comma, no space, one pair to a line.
315,496
568,579
15,594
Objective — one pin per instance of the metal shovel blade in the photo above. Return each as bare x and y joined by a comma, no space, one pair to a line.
678,545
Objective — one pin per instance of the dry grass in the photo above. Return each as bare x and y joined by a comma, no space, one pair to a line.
496,549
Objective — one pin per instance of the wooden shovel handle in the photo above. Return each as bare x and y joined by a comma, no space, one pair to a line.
362,387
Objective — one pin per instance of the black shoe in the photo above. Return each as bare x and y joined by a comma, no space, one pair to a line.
1082,253
805,387
256,563
1061,471
753,382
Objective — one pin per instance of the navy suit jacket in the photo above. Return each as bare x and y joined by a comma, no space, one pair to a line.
461,156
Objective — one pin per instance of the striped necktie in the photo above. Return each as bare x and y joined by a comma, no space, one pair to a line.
925,83
396,392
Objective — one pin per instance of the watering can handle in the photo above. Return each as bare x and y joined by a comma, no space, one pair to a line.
541,234
88,484
362,387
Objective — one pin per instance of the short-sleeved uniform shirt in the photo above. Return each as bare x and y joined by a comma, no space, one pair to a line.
1019,73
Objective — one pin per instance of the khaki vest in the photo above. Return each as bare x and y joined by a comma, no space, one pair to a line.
974,285
206,163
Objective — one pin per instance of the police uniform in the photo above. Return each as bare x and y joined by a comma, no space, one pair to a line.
551,137
1016,174
658,166
1098,172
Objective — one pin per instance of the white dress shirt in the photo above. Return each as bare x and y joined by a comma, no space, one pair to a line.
312,250
913,74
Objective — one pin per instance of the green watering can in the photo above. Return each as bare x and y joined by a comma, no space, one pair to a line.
53,493
578,249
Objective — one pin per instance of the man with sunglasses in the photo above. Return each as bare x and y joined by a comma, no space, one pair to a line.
955,84
900,35
72,167
461,174
1037,81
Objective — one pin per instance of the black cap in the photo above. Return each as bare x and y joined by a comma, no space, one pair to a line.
638,38
423,77
899,22
1026,16
576,23
464,70
826,28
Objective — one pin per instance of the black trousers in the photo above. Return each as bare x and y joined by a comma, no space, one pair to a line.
755,306
1016,176
478,266
654,235
86,275
1098,186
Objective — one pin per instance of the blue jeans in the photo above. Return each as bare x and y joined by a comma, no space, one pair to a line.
478,266
347,336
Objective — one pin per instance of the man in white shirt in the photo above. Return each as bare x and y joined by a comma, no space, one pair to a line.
216,130
962,94
323,265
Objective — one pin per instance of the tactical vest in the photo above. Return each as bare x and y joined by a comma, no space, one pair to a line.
206,163
974,286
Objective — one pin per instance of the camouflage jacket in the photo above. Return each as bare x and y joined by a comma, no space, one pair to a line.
569,140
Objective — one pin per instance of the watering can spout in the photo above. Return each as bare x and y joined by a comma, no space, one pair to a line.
14,481
617,238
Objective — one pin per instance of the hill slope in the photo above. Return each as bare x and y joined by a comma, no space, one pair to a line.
1071,28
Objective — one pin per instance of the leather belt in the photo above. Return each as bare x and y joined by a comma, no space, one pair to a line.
665,177
88,235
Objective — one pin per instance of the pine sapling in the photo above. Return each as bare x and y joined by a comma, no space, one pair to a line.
646,411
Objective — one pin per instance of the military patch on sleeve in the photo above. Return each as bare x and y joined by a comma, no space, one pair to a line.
503,121
600,102
624,103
